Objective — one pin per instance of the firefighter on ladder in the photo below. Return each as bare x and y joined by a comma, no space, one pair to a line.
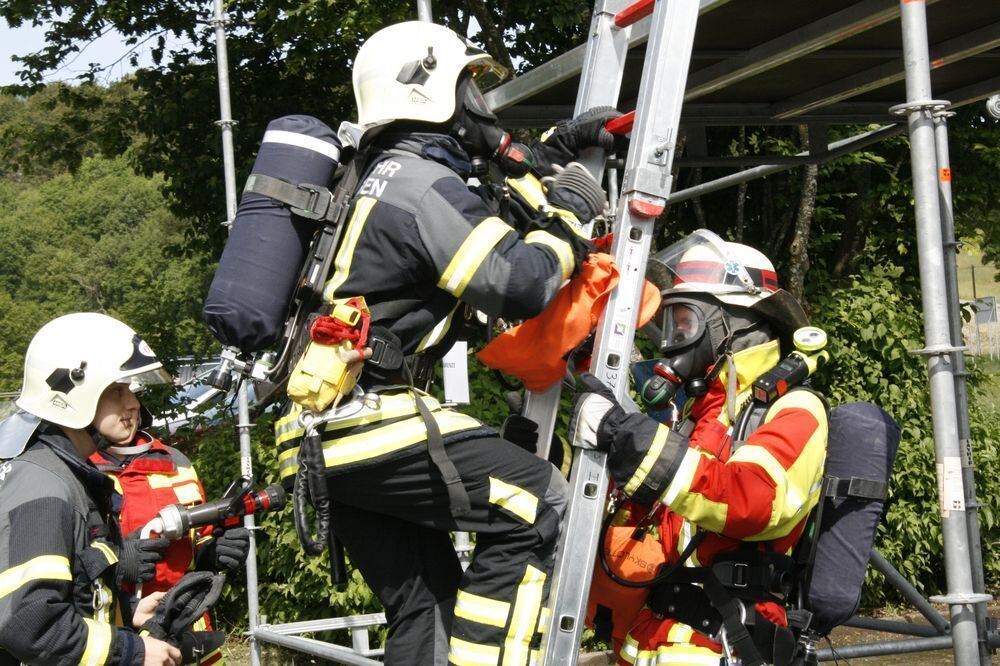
148,476
709,496
420,246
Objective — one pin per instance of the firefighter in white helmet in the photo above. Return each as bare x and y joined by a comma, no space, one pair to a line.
60,550
729,486
420,246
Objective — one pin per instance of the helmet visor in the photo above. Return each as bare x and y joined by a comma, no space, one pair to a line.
487,73
683,324
476,103
701,262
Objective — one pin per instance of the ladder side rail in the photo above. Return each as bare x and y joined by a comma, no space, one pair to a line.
646,185
600,83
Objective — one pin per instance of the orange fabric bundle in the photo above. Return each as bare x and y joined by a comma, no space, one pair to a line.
535,351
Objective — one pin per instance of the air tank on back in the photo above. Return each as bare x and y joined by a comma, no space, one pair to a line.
248,300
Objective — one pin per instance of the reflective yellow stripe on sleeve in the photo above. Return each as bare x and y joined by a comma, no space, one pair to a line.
524,619
648,460
43,567
98,643
517,501
438,332
481,609
700,510
562,249
470,255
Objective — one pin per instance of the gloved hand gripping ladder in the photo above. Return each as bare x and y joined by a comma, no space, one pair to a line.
645,187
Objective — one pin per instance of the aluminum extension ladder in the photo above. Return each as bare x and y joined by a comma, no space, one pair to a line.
646,184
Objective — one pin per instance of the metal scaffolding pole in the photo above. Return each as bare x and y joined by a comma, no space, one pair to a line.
961,390
938,347
424,10
243,425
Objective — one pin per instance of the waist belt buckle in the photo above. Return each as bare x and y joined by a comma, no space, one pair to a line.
741,575
378,347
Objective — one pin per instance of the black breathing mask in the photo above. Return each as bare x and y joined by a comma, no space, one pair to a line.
693,333
476,129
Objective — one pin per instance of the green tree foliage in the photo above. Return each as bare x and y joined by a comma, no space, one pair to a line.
285,58
95,240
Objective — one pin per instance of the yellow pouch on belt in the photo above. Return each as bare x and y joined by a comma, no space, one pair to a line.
321,375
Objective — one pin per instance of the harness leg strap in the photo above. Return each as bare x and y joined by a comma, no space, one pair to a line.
458,498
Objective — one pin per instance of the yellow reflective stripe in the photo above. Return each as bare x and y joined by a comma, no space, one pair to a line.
182,475
471,254
655,449
569,217
630,649
682,479
342,263
524,619
392,406
188,494
481,609
98,643
688,655
533,658
544,620
530,188
790,502
43,567
390,438
513,499
547,133
695,507
288,427
105,549
562,249
465,653
438,332
118,484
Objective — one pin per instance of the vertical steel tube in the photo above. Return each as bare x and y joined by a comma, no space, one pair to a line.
424,11
961,389
225,121
938,340
243,426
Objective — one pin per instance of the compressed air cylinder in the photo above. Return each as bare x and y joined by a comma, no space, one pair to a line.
248,300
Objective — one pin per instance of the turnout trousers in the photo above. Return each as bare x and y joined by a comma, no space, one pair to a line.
394,520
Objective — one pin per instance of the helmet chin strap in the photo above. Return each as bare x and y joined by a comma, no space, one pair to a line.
100,441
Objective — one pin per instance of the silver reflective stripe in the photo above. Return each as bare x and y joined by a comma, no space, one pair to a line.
303,141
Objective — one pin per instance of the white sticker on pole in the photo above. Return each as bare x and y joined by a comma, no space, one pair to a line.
246,467
456,374
950,488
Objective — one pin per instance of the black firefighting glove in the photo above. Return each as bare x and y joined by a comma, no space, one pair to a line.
569,137
575,190
521,431
137,559
227,551
599,422
183,604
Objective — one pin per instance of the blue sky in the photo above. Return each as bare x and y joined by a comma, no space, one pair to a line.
28,39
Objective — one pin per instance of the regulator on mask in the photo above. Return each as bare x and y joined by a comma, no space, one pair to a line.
476,129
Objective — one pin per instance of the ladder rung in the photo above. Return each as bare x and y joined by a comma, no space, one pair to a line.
634,12
621,125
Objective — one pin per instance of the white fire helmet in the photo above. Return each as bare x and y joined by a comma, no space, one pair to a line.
73,358
410,71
